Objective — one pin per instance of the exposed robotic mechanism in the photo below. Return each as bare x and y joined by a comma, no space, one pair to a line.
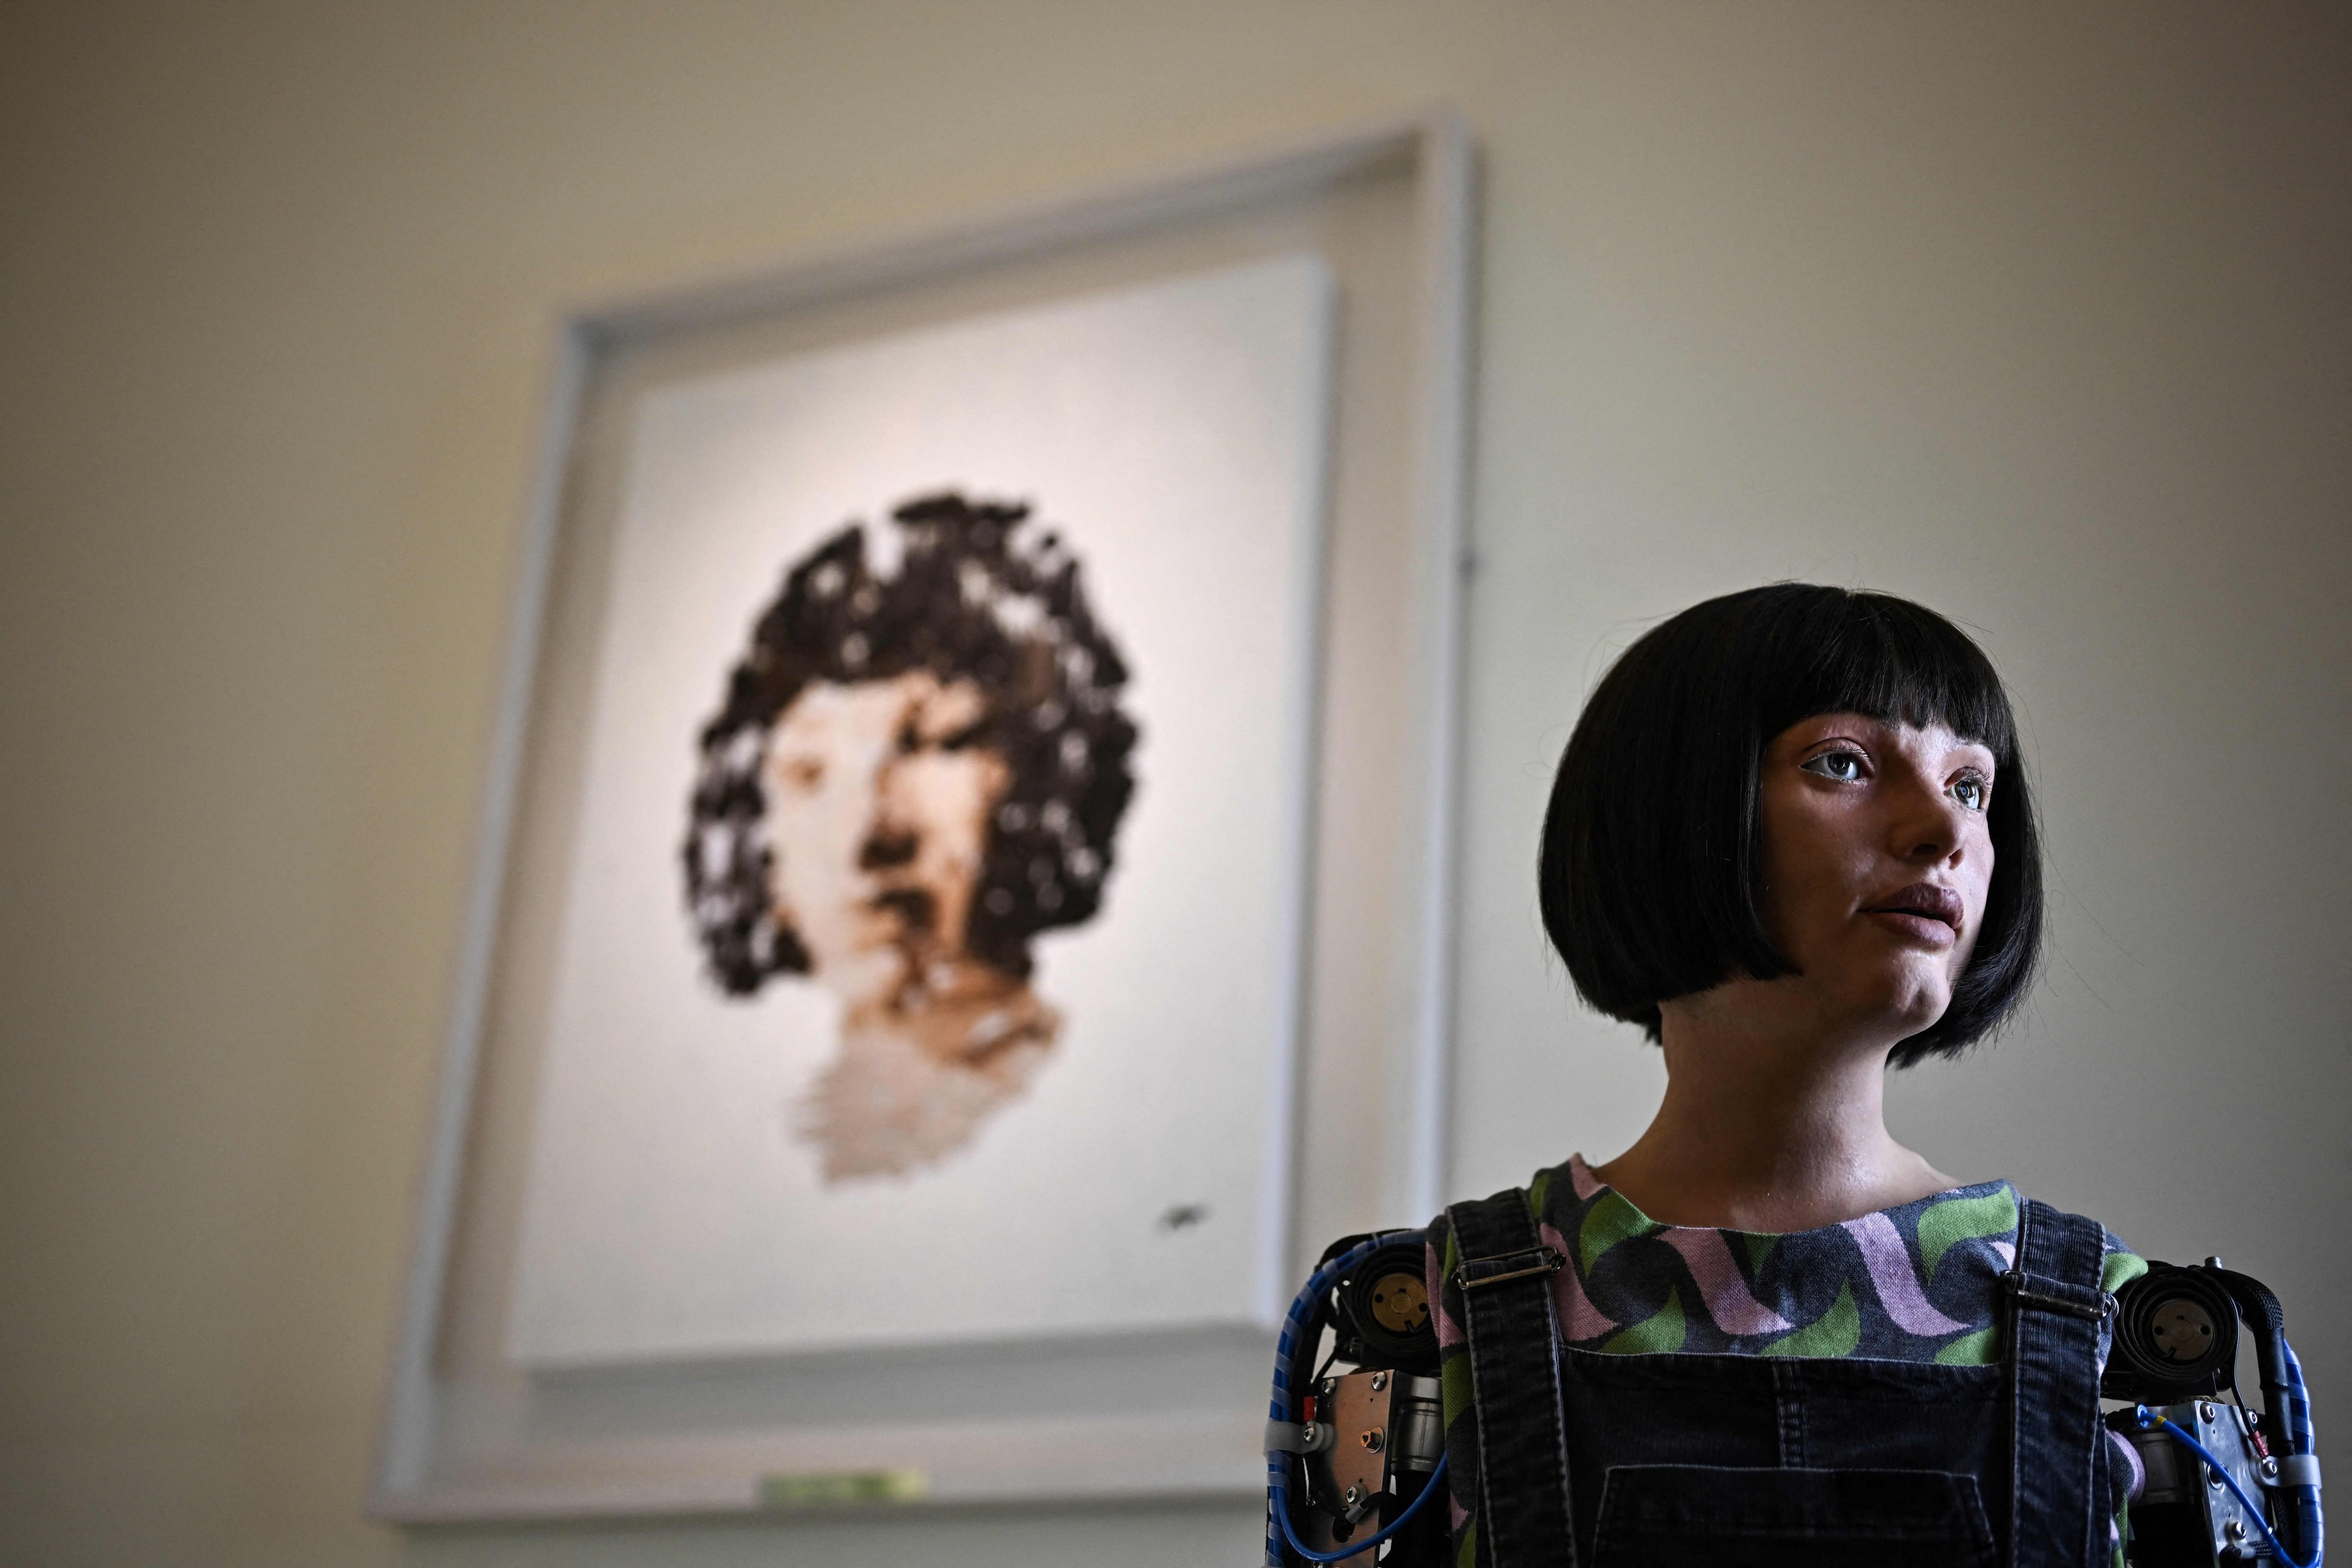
1355,1442
1356,1448
2221,1483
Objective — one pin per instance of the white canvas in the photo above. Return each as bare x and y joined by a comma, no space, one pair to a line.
1174,437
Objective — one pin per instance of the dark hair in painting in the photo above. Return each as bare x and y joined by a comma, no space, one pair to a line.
971,600
1648,870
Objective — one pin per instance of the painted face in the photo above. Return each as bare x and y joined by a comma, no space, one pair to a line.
1877,858
878,811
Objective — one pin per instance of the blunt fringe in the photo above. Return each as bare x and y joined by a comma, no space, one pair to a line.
1648,869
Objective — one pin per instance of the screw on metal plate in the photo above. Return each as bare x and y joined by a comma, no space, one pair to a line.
2205,1410
1370,1439
2270,1469
1379,1381
1352,1496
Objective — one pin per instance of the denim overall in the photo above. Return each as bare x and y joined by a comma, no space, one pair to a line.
1668,1461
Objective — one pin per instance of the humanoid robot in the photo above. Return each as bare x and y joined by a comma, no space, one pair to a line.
1791,840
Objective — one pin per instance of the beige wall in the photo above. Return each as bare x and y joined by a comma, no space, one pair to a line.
2036,310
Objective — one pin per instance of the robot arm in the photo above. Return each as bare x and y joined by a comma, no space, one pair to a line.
1356,1439
2218,1483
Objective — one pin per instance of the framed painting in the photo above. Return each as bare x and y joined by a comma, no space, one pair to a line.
907,916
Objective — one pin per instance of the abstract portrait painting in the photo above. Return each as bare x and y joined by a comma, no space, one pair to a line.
914,773
927,962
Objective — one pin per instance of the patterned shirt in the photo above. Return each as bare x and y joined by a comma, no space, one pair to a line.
1919,1283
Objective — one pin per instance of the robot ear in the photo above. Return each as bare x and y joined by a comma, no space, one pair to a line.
1387,1302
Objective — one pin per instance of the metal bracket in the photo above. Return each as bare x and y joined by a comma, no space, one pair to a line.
1292,1437
2296,1471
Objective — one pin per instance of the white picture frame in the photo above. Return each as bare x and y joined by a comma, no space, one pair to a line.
469,1434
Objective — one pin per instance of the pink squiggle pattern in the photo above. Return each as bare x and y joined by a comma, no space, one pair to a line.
1433,1274
1587,1185
2008,1251
1890,1271
1734,1308
1579,1318
1453,1506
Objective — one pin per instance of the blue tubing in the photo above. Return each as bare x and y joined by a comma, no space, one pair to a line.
1284,1407
1429,1488
2253,1509
2302,1439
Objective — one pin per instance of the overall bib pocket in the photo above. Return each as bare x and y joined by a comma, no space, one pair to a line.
1687,1516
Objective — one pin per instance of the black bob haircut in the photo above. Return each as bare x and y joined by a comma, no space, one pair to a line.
974,598
1648,870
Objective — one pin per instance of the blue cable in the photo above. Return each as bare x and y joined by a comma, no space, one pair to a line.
2147,1417
2302,1439
1429,1489
1279,1529
1286,1352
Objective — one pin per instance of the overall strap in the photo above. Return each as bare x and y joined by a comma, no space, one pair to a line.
1505,1277
2058,1322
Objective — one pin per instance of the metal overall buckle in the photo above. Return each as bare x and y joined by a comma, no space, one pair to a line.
2014,1280
1510,1266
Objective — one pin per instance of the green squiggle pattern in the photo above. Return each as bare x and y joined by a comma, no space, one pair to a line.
1663,1331
1536,1190
1945,1225
1834,1333
2118,1269
1610,1220
1979,1348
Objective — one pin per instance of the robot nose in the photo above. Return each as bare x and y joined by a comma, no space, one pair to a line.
884,848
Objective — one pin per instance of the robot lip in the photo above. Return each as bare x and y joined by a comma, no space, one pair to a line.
1930,901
